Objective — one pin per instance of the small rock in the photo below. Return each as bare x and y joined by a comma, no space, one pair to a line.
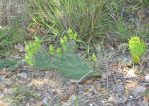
23,75
147,77
110,98
45,100
138,91
91,104
2,78
19,47
7,91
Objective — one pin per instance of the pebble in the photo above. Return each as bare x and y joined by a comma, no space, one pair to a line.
7,91
22,75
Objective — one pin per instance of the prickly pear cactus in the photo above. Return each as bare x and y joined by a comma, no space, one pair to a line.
72,66
137,48
63,59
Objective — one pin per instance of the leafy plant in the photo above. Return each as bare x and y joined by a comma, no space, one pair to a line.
137,48
67,44
32,48
94,58
63,58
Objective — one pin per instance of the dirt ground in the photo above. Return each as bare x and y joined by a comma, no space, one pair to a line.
121,84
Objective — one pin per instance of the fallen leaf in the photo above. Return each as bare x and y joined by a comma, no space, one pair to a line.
65,98
131,73
87,81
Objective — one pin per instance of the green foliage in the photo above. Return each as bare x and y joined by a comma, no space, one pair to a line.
51,50
126,19
41,60
12,25
72,66
94,58
86,17
21,94
9,64
146,93
32,48
137,48
67,44
122,31
7,35
76,100
59,52
63,58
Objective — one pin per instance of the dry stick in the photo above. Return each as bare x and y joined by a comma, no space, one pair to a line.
107,78
141,65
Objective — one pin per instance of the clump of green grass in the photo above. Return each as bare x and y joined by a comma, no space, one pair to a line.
12,23
20,95
90,19
126,21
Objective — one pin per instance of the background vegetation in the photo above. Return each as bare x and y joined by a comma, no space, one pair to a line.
95,22
74,38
